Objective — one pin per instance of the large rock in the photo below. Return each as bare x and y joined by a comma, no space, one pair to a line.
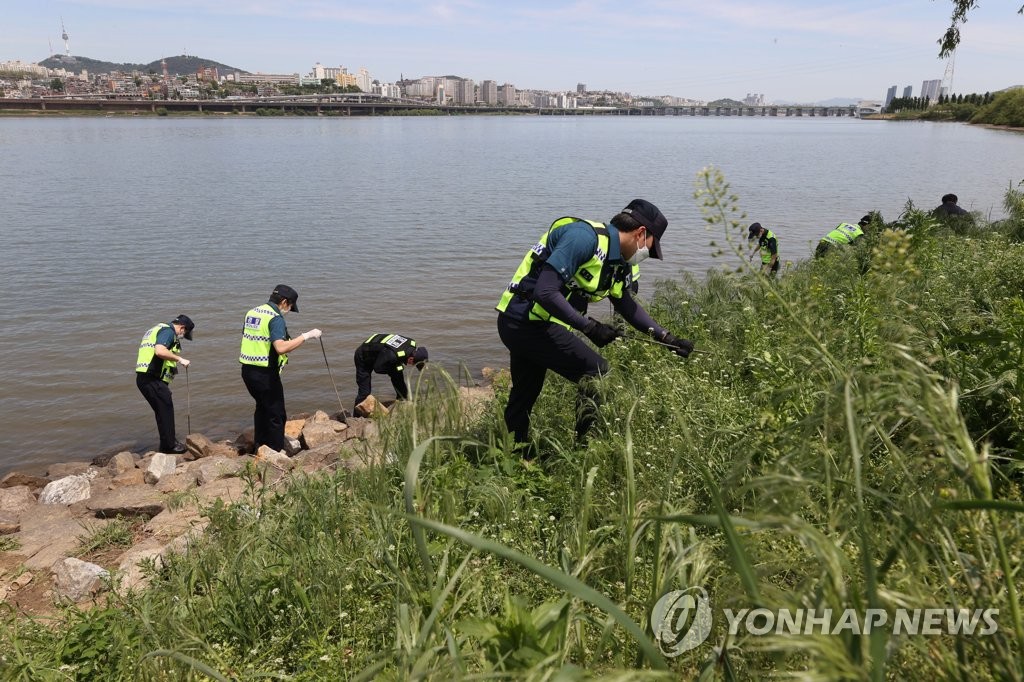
213,468
133,566
316,433
62,469
16,478
293,427
120,463
177,482
199,447
230,490
360,427
130,477
371,407
78,580
127,502
9,523
17,499
168,524
245,443
267,456
67,490
47,534
161,465
291,445
317,458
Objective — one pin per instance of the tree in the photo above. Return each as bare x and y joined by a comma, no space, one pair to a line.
57,85
951,38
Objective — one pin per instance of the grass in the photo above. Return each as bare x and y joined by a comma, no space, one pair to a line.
852,441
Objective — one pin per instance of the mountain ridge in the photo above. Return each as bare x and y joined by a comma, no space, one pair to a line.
178,65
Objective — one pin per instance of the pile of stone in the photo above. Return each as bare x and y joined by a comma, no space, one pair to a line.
43,519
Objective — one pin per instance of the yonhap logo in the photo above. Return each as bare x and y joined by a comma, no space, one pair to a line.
681,620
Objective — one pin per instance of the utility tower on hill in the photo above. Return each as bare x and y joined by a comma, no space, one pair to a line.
65,37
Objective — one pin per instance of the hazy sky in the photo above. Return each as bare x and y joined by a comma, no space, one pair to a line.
802,50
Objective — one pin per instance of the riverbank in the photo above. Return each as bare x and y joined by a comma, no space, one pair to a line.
850,442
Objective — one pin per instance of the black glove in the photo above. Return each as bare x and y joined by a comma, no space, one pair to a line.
600,333
681,347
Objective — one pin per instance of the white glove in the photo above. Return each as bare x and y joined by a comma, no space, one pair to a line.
312,334
183,362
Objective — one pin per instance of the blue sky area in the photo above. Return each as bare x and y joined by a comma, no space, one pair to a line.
790,50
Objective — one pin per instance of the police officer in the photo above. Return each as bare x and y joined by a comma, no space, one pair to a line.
843,233
264,351
387,354
155,367
576,261
767,246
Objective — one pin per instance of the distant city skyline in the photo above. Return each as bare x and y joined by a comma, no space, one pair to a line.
790,50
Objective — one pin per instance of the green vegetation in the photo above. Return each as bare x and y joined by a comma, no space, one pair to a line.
1006,109
115,533
853,439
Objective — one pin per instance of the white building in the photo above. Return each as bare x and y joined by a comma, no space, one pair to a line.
930,90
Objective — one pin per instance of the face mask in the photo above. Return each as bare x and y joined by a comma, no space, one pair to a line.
642,253
180,336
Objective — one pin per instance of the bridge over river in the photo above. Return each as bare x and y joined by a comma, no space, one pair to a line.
363,105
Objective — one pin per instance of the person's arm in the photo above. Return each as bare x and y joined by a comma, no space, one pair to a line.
164,340
573,247
548,293
635,314
283,346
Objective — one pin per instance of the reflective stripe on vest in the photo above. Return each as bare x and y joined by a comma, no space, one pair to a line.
593,281
256,348
403,346
844,233
766,256
144,363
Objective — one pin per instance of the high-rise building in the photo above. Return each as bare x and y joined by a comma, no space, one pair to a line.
464,92
930,89
581,88
489,93
908,92
890,95
508,95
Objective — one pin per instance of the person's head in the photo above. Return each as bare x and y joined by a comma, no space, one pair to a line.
949,198
285,298
754,231
419,357
641,225
865,221
183,326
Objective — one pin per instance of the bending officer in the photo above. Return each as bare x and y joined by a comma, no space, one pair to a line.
155,367
387,354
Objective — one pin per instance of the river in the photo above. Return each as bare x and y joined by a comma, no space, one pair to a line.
412,225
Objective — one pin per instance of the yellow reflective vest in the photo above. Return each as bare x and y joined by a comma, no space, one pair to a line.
148,363
256,347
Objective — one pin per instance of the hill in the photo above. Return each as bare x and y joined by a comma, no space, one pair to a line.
725,102
176,66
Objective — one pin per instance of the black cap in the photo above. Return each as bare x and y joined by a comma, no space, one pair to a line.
754,230
865,220
283,292
648,215
420,356
186,322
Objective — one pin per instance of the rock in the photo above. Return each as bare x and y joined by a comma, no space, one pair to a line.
78,580
132,565
9,523
360,427
56,471
67,490
47,534
170,524
317,433
161,465
320,417
474,400
317,458
22,580
130,477
213,468
176,482
291,445
120,463
17,499
127,502
224,449
228,489
198,445
293,427
370,407
16,478
267,456
341,416
245,443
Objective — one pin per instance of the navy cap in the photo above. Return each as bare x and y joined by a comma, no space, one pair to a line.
285,292
648,215
186,322
754,230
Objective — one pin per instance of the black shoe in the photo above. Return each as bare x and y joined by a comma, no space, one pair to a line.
178,449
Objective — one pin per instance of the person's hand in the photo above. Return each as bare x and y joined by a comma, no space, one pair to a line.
600,333
183,362
312,334
681,347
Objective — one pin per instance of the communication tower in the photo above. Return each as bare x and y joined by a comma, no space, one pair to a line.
947,77
65,37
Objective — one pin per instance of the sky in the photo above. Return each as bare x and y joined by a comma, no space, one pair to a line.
790,50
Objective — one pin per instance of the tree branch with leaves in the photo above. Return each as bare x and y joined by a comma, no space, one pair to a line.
951,38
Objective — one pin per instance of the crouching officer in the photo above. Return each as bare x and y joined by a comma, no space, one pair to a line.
843,233
264,352
767,246
155,367
387,354
576,261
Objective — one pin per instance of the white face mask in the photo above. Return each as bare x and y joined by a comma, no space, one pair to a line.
642,253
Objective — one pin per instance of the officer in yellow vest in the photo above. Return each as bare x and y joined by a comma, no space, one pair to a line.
575,262
841,234
767,246
387,354
264,351
155,367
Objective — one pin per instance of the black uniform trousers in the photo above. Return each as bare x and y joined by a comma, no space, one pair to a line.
536,347
158,394
264,385
365,361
